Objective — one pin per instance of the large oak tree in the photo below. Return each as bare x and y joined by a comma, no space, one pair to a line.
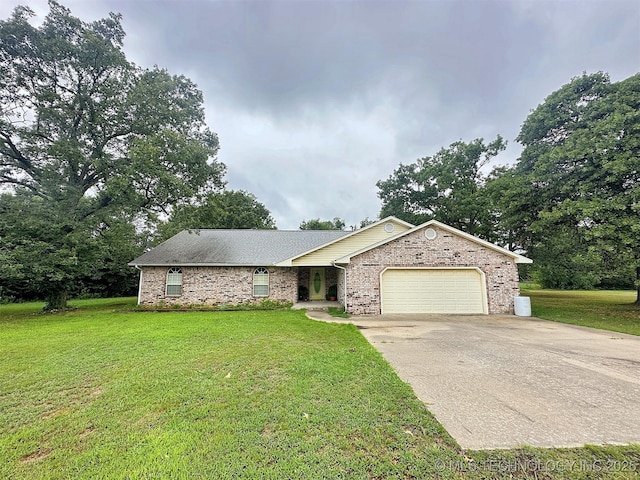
575,192
89,137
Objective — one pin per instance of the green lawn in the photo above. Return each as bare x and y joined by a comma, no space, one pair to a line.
605,309
106,392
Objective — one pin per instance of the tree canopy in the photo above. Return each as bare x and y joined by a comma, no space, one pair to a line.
575,191
228,209
44,254
317,224
88,138
444,187
81,125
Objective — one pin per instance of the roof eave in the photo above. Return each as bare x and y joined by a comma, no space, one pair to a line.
284,263
521,259
342,260
187,264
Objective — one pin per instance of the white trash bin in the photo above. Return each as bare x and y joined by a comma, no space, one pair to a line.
522,306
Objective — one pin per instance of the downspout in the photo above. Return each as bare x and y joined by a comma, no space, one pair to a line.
345,283
139,284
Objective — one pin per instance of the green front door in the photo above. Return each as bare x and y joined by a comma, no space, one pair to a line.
316,287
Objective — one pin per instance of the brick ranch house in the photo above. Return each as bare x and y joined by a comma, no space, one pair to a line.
390,266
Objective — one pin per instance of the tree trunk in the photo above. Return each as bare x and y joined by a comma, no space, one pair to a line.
56,301
638,286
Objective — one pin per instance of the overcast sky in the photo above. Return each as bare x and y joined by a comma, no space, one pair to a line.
315,101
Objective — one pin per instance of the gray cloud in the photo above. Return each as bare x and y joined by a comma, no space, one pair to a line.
314,101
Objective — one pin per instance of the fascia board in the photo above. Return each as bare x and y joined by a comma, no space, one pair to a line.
178,264
285,263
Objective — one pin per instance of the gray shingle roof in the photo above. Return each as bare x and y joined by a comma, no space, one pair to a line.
235,247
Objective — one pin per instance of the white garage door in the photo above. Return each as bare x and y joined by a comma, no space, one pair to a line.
432,291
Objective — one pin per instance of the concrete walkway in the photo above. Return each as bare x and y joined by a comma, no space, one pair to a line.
503,381
316,305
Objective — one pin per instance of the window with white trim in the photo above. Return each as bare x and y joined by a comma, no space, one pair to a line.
174,282
261,282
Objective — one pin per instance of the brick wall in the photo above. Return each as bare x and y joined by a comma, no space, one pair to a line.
330,277
217,285
304,274
415,250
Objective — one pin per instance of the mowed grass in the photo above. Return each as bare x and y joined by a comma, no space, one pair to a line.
604,309
106,392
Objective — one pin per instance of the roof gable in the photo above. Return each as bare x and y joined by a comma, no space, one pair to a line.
516,257
356,240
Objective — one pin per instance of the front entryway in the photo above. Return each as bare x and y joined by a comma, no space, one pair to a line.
316,284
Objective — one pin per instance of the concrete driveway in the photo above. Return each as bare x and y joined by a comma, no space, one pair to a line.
504,381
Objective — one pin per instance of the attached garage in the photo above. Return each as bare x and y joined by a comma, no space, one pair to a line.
433,290
431,268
